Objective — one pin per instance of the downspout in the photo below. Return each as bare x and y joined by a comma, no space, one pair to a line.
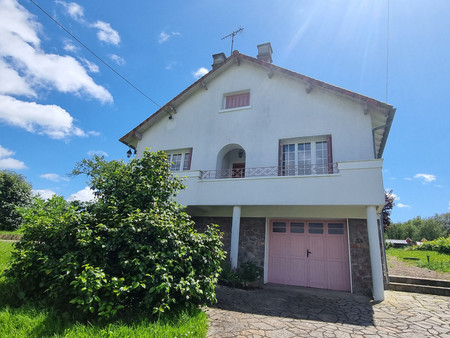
384,249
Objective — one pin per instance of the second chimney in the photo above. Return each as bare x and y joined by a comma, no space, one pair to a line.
265,52
218,59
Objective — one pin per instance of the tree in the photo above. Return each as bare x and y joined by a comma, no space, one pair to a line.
15,192
132,248
387,209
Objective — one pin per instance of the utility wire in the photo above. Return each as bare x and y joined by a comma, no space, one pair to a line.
98,57
387,50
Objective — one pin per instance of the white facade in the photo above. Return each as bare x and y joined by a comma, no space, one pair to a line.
284,107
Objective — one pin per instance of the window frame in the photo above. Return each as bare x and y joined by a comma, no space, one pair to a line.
327,168
226,96
184,161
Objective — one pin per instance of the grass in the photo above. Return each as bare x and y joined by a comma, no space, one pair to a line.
438,261
35,320
15,232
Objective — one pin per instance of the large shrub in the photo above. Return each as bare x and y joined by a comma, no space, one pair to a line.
132,248
441,245
15,192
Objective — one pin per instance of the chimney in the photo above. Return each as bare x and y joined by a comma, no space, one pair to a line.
218,59
265,52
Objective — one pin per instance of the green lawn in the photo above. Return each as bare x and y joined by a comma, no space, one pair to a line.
438,261
33,320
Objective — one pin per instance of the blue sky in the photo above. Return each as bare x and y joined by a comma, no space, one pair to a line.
59,104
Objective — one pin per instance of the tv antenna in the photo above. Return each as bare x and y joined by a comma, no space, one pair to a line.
232,37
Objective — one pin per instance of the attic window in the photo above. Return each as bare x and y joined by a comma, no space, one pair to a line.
237,100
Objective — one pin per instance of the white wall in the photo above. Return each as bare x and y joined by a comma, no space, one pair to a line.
280,108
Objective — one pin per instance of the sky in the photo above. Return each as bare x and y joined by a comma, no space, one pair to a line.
60,104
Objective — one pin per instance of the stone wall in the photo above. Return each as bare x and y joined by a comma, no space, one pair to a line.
252,240
251,236
360,257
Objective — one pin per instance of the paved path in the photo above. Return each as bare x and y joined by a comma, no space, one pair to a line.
299,312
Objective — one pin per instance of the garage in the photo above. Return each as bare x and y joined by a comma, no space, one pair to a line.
310,253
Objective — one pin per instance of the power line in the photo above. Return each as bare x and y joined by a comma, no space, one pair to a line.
98,57
387,51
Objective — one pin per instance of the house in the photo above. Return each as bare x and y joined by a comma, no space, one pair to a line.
289,167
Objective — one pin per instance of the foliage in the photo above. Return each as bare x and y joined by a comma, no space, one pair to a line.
247,272
387,209
15,192
441,245
133,248
418,228
437,261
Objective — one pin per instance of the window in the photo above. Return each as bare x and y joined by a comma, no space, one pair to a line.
179,159
305,156
237,100
279,227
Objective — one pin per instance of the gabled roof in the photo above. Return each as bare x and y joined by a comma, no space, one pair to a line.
381,119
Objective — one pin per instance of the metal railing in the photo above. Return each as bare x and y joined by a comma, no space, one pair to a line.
307,170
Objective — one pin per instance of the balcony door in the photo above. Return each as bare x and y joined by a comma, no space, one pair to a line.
238,170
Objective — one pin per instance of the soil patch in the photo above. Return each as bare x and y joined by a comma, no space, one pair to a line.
398,267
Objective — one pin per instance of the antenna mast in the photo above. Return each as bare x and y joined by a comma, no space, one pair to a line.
232,37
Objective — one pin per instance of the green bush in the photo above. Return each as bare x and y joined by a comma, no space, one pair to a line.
247,272
132,248
15,192
441,245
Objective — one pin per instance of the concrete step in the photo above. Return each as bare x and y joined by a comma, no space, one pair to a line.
420,281
419,285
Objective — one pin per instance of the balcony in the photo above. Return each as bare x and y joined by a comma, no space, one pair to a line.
344,183
315,169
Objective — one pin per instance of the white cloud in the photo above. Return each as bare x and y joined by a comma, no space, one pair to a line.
84,195
12,83
200,72
21,52
11,163
170,65
69,46
117,59
75,11
98,153
92,67
6,162
106,33
163,36
401,205
426,177
94,133
5,152
49,120
448,206
44,193
54,177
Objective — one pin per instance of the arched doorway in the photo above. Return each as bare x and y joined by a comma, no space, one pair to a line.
231,162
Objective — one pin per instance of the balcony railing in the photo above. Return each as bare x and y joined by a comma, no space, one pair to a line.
314,169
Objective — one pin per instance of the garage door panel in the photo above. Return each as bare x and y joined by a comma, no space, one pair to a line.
296,273
338,276
337,247
277,270
297,247
317,274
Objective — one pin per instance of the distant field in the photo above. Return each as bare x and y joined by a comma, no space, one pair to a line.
438,261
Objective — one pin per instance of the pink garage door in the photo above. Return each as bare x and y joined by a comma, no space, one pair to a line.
309,253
